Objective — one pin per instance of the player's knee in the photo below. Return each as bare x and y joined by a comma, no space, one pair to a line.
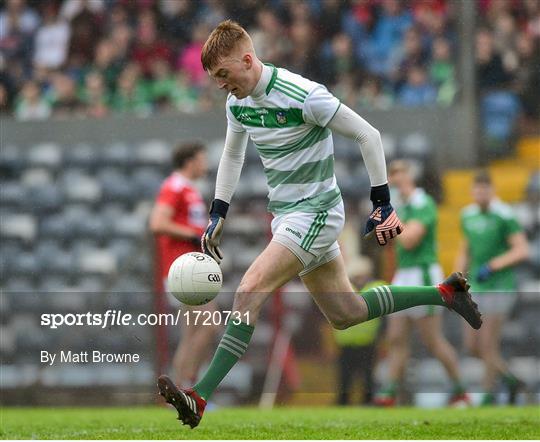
343,322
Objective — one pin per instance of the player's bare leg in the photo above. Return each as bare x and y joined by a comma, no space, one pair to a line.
194,347
472,343
489,340
397,335
274,267
331,290
430,329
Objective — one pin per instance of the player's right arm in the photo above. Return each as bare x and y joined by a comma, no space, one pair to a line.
228,174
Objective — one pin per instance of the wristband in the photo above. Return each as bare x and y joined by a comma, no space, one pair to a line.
219,207
380,195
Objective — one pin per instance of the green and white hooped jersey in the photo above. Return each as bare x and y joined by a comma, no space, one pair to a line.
287,124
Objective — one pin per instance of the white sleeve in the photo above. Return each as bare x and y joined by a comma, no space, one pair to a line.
348,123
231,163
320,106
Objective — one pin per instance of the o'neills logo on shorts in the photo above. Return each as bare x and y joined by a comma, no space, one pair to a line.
294,232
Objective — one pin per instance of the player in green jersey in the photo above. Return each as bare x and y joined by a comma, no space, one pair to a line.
417,264
290,119
493,243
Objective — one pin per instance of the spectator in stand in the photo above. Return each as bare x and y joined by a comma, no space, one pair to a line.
5,100
184,97
189,60
417,91
65,102
491,73
52,39
410,53
122,40
179,16
214,12
528,75
339,59
17,12
17,26
30,104
132,95
373,95
442,71
162,85
95,95
269,37
149,47
303,57
106,62
85,20
388,31
346,89
329,22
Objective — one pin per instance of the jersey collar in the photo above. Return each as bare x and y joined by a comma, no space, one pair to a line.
265,83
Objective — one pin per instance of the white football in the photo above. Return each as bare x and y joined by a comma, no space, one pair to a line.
194,278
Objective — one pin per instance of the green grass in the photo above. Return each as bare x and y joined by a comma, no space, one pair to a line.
281,423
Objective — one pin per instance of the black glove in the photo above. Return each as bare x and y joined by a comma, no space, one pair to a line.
212,236
383,219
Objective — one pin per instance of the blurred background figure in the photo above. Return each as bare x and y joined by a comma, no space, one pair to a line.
357,345
417,264
493,243
178,220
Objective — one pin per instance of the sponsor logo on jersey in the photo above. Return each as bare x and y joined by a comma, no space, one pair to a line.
281,117
261,111
214,277
294,232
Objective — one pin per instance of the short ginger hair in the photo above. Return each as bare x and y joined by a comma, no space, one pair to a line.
221,42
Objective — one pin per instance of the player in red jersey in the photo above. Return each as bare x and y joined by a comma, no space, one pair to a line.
178,220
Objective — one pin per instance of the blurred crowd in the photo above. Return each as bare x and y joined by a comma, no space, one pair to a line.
97,57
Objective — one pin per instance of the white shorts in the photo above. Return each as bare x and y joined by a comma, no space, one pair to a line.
312,237
415,276
495,303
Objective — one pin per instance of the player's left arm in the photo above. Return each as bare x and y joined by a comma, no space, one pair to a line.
518,251
412,235
383,220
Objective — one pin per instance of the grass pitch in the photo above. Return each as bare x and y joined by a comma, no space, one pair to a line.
281,423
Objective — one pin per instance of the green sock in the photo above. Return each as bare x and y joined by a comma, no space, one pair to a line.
509,379
232,346
390,389
458,387
388,299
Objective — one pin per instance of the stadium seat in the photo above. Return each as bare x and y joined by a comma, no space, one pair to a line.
153,152
12,195
82,156
118,154
97,261
48,155
499,111
22,226
81,188
147,181
25,264
12,161
45,199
